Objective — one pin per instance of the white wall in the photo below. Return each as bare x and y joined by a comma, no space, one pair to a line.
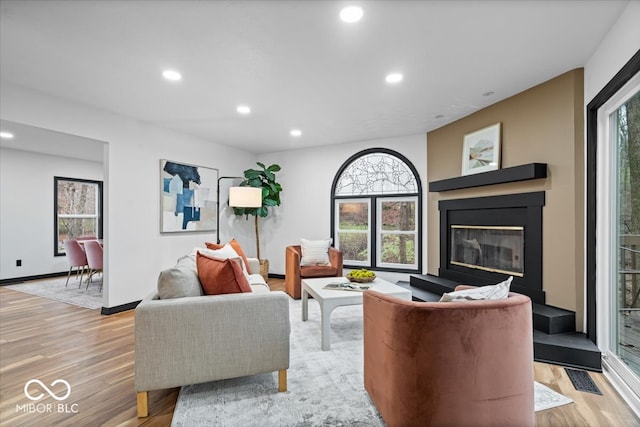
306,179
619,45
26,209
135,249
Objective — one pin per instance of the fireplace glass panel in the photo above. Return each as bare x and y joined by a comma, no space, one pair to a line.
490,248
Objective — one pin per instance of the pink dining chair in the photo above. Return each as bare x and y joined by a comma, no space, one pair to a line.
93,250
76,258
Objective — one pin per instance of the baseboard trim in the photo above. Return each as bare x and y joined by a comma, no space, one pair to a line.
621,385
14,280
119,308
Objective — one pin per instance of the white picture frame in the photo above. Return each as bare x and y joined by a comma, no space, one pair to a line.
481,150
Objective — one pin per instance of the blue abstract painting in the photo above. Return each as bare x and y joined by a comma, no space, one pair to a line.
188,197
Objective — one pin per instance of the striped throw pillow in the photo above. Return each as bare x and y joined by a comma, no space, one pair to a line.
315,252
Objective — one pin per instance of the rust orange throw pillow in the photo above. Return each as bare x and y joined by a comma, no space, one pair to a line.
236,247
221,276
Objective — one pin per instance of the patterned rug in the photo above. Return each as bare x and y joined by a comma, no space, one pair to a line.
325,388
55,289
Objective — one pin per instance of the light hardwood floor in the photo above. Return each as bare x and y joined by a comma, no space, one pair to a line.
48,340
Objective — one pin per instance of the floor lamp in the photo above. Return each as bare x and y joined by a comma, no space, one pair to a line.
239,197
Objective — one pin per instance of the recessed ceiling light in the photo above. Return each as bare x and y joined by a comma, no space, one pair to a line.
351,14
243,109
394,78
172,75
296,132
6,135
489,93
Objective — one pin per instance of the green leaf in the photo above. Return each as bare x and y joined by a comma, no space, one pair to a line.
249,211
252,173
265,179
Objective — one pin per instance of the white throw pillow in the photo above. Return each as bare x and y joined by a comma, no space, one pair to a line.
315,252
499,291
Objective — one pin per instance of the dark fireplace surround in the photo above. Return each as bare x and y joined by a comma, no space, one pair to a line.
519,210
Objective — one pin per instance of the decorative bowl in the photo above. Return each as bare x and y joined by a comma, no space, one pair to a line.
362,279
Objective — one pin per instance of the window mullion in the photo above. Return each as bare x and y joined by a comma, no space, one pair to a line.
374,231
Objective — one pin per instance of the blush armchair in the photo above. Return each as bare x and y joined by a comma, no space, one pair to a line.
295,272
449,363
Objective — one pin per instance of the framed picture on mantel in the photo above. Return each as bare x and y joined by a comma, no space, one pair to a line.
481,150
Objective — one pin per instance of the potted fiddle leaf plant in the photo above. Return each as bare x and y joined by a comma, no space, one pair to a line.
264,178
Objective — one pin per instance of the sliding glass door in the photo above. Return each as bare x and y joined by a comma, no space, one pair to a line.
619,234
625,134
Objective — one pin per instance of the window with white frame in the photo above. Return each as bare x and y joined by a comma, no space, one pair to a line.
352,231
77,210
376,218
397,232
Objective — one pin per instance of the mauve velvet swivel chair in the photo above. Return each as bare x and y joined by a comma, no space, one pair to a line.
464,363
94,258
76,258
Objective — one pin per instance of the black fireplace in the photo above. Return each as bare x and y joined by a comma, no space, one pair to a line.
484,240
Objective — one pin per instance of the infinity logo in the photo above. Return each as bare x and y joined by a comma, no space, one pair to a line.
52,394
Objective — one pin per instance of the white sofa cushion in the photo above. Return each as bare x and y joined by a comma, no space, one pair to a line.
257,283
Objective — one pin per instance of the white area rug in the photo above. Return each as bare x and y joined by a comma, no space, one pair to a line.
325,388
547,398
54,289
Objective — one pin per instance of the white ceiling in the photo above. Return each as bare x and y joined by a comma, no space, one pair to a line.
46,141
294,62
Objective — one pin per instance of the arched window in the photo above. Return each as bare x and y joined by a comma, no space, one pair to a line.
376,217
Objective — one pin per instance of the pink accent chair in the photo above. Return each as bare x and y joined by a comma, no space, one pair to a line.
466,363
76,258
94,258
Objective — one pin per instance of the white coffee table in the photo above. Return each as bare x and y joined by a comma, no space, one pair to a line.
330,299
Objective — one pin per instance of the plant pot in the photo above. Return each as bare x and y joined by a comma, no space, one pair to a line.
264,269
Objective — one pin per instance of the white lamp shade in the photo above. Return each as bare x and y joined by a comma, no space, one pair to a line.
245,197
